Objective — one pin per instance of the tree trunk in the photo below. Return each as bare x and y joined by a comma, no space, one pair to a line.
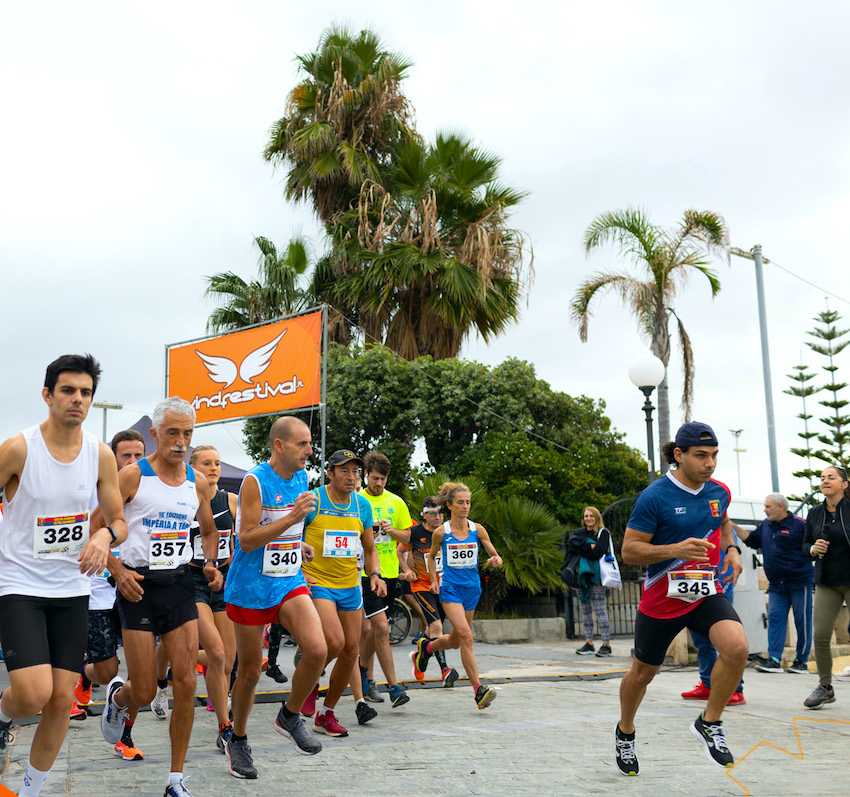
663,421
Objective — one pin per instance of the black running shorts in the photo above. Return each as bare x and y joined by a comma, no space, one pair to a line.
44,631
104,634
203,593
653,635
372,604
431,606
168,602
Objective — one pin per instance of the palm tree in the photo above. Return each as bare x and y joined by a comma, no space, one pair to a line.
341,121
668,258
275,293
426,256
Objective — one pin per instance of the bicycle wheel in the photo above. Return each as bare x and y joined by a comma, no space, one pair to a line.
400,620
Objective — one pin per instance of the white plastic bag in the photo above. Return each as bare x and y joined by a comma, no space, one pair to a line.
609,570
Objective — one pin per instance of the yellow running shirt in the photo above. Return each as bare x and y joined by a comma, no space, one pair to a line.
333,532
388,506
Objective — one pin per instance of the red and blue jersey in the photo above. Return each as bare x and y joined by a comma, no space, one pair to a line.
672,512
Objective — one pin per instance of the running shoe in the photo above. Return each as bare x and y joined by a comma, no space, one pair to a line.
604,650
296,731
844,675
327,723
416,639
239,756
449,677
112,718
364,712
209,705
484,695
159,705
177,789
737,699
798,666
129,752
77,713
712,735
417,673
309,707
81,694
274,672
586,650
771,665
821,696
5,741
398,697
372,694
422,655
627,761
699,692
223,737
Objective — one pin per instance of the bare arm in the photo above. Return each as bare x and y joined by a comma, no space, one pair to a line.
209,533
639,550
372,563
495,560
733,558
436,545
13,455
741,532
406,573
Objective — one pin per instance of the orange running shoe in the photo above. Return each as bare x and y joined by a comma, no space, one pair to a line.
128,752
417,673
83,696
77,713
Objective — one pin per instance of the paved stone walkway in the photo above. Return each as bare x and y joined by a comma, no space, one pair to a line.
545,734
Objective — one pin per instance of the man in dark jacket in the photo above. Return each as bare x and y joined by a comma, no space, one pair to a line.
789,572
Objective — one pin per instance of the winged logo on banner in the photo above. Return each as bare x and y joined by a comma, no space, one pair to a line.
224,370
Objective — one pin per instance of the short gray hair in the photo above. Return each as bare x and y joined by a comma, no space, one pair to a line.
778,498
173,404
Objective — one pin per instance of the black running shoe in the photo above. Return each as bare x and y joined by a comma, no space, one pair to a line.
223,738
627,761
241,762
821,695
586,650
711,734
364,712
422,656
274,672
484,696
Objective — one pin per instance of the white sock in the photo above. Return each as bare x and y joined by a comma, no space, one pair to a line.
322,711
3,717
361,701
174,778
33,781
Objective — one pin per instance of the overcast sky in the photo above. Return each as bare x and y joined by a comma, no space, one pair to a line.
130,168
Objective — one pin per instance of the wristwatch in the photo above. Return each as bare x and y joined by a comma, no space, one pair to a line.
112,533
207,561
735,547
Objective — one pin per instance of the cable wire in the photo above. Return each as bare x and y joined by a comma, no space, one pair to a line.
808,282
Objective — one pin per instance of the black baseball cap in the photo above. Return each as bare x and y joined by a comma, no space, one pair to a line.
694,434
342,456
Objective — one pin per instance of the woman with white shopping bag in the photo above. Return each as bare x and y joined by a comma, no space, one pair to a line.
594,550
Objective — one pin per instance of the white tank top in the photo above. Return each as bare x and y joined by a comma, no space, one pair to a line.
47,522
158,522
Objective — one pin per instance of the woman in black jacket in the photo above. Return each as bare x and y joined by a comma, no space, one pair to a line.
595,545
827,541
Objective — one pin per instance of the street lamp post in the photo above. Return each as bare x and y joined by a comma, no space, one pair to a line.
106,405
646,373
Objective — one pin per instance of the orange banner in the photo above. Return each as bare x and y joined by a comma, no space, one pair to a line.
258,371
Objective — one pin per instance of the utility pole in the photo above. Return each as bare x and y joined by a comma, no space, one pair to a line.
106,405
755,255
738,451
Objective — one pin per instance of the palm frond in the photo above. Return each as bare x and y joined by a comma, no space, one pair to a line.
600,282
687,369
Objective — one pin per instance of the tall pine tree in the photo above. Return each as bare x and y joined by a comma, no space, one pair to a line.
836,440
803,390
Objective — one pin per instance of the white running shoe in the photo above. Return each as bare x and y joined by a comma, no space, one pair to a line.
159,705
112,718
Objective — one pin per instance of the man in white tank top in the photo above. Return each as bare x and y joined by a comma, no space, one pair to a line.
49,546
162,495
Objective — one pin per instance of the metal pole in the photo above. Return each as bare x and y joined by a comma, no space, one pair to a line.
765,366
324,391
650,446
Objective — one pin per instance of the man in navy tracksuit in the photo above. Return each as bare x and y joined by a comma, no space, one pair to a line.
789,572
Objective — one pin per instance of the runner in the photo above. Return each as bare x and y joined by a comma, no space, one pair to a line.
419,549
392,526
104,624
457,542
678,527
49,546
265,584
338,519
161,497
215,628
